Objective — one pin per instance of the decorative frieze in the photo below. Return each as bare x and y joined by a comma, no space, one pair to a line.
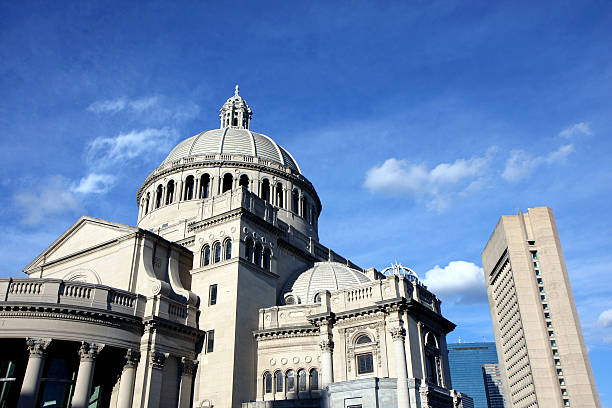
37,347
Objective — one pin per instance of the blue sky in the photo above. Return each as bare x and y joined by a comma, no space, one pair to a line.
419,123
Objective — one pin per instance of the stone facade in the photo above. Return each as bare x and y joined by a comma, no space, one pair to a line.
541,349
221,295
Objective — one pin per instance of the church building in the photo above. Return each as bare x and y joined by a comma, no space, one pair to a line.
221,296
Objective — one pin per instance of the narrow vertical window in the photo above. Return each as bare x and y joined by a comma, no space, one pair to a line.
295,198
314,379
217,252
290,381
267,255
258,254
302,380
279,195
244,181
265,190
147,203
158,196
228,249
212,295
228,180
248,250
205,255
278,377
189,184
204,186
170,192
210,341
267,383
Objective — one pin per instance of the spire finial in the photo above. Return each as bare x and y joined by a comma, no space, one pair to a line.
236,91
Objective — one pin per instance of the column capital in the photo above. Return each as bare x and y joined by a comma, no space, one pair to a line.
326,345
189,366
157,359
37,347
89,351
132,357
398,333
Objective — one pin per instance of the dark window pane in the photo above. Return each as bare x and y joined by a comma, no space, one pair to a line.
365,363
210,341
212,295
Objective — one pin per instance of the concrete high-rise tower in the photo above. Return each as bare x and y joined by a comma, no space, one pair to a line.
541,349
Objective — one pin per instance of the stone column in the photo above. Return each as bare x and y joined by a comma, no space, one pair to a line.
31,380
399,334
189,367
82,389
153,381
128,376
327,370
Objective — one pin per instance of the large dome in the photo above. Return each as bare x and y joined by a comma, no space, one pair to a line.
323,276
230,140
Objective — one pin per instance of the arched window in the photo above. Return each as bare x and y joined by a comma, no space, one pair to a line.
228,249
217,251
317,298
228,180
146,209
244,181
289,300
265,190
248,250
267,383
363,339
295,201
290,381
158,196
278,380
258,254
205,186
305,208
432,359
314,379
189,184
302,380
170,192
205,255
279,195
267,255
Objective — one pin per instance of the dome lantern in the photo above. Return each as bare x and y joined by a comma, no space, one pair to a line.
235,112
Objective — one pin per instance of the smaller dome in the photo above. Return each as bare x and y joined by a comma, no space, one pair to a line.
323,276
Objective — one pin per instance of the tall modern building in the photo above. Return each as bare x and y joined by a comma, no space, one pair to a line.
494,385
541,349
467,362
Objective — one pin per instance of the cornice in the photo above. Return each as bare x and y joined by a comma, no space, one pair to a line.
156,323
286,332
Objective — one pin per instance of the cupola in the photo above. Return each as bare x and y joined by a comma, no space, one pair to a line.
235,112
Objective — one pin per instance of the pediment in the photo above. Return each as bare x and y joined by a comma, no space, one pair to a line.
83,235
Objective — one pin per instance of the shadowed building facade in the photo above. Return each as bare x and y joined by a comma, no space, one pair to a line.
221,295
540,346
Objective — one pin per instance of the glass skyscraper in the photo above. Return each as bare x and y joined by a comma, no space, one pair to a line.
472,373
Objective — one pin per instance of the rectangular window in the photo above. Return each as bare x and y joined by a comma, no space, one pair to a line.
559,372
551,333
544,306
537,272
535,264
555,352
365,363
546,315
534,255
553,343
540,281
212,295
563,391
541,289
543,297
561,381
557,362
549,324
210,341
566,403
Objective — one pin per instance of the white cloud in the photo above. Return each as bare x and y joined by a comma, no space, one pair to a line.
521,164
104,152
560,154
51,197
399,177
605,318
117,105
94,183
577,129
460,282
